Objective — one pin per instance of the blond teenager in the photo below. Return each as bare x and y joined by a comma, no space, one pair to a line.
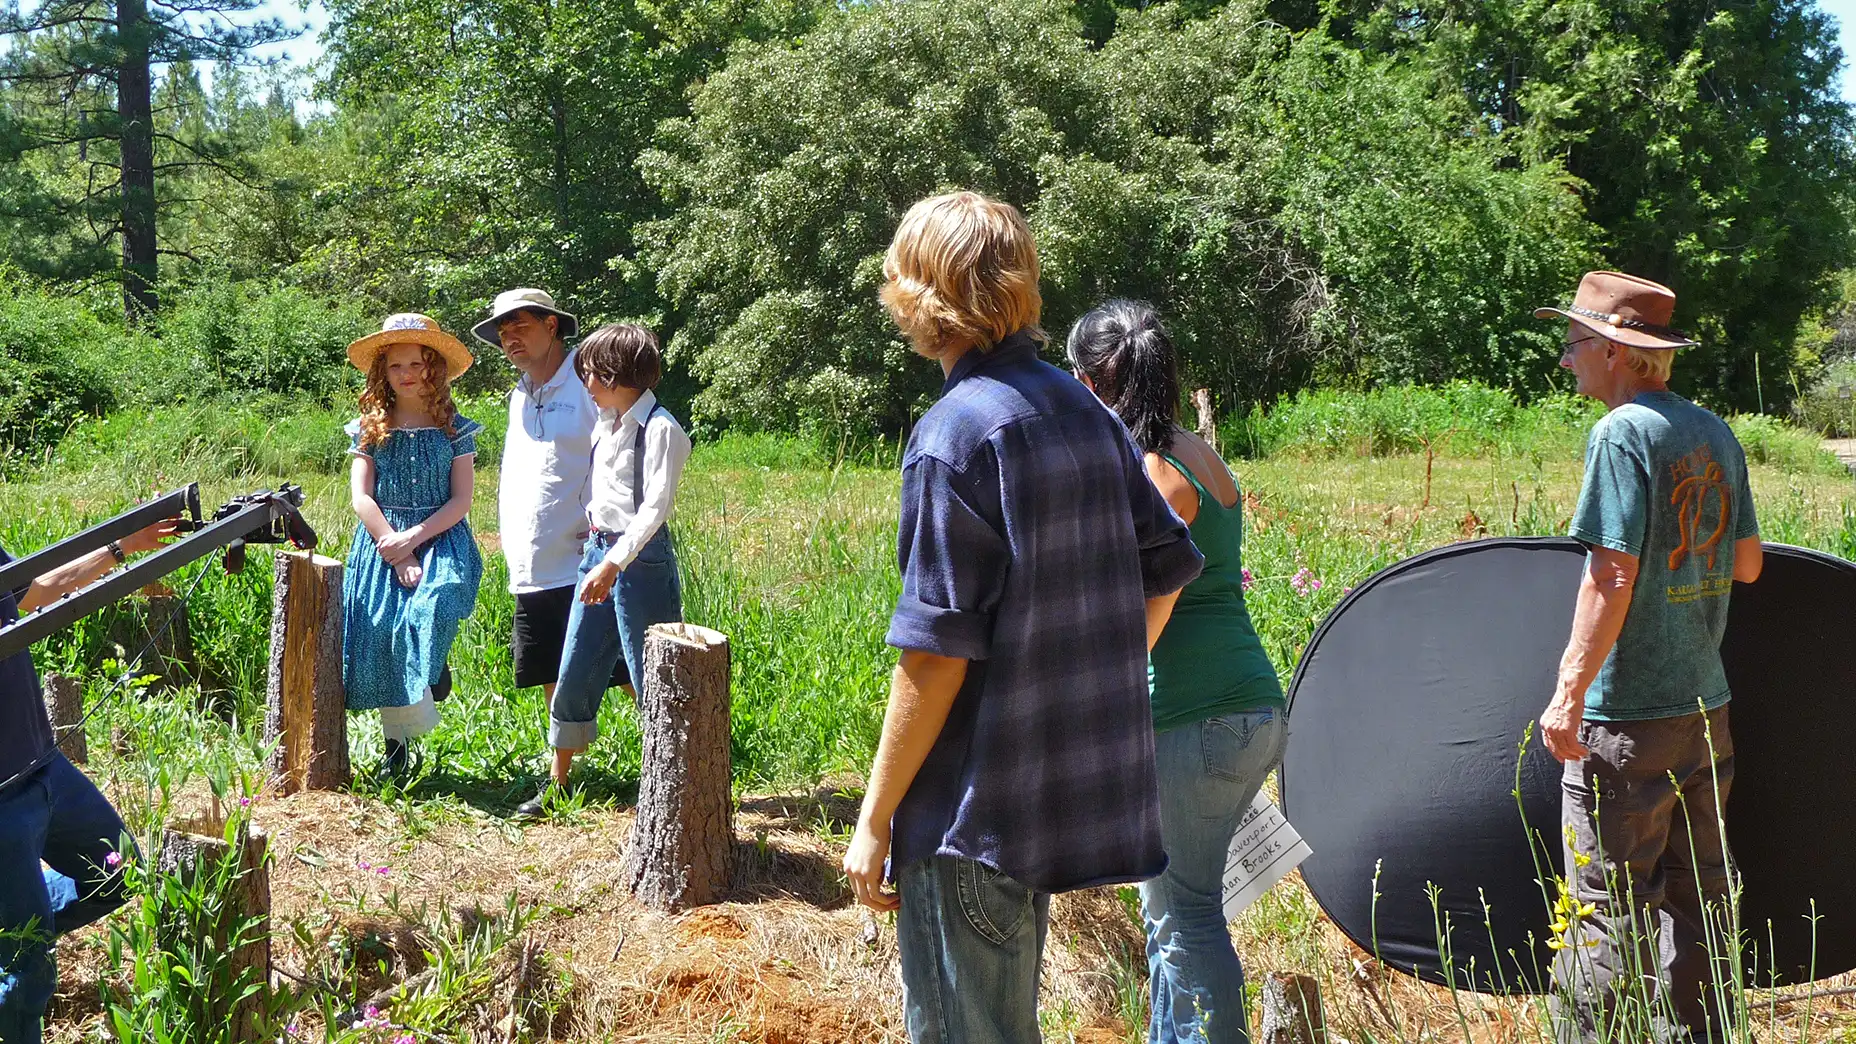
1017,753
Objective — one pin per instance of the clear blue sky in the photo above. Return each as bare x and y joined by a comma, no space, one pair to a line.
307,48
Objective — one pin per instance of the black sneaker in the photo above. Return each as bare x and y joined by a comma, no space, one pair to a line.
537,806
441,689
398,758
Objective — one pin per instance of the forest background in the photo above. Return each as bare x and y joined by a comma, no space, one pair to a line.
1316,192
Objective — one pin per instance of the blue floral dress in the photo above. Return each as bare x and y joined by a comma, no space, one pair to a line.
395,639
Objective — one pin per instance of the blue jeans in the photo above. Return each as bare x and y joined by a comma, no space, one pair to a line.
56,815
1209,773
647,592
971,941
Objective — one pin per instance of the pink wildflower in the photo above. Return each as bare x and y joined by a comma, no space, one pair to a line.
113,860
1248,578
1305,582
244,802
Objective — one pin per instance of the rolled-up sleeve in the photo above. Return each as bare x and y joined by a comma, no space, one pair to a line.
953,559
1169,559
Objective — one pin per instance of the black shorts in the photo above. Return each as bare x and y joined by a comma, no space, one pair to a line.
541,635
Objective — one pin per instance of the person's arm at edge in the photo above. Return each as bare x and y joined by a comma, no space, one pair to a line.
921,693
54,584
1605,589
1749,559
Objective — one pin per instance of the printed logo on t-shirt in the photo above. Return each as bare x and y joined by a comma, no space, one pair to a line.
1701,483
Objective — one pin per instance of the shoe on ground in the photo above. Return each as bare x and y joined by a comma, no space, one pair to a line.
398,758
441,689
537,806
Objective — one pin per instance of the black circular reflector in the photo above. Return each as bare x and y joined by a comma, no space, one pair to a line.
1406,719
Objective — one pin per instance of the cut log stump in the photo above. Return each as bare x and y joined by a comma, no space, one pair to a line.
197,853
64,705
305,712
1208,422
682,841
1292,1010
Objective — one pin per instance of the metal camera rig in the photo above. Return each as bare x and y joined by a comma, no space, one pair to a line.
265,517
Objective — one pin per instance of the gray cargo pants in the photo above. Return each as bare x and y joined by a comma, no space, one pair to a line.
1643,808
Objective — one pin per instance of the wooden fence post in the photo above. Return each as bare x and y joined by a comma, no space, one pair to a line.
682,841
305,710
1208,423
64,705
1292,1010
196,852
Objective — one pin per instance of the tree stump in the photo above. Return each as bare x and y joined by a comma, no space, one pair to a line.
1292,1010
682,841
1208,423
64,705
306,709
234,919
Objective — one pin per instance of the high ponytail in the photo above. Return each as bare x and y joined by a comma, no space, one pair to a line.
1125,351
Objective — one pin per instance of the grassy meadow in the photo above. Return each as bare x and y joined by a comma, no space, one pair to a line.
509,932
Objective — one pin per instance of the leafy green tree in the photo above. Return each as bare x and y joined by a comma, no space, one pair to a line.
787,182
1711,143
497,139
79,76
1295,208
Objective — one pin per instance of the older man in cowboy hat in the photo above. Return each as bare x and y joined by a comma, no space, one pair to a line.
541,502
1639,716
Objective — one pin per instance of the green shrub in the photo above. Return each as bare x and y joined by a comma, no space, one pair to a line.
270,435
1829,405
222,337
1768,440
47,380
1462,417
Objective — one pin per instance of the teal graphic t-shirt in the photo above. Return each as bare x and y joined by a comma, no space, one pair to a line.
1665,480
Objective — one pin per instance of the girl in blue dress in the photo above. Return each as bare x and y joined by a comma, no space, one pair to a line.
413,569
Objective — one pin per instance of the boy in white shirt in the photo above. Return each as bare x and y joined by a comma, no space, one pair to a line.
628,576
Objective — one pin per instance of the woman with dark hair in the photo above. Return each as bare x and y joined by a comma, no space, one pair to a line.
1219,720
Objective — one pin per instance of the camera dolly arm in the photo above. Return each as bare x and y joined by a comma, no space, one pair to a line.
264,517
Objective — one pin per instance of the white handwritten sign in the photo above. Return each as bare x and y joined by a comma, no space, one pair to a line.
1265,849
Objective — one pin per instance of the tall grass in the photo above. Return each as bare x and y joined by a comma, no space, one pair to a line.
790,555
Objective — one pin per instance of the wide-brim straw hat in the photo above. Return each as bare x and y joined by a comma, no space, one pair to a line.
521,300
1624,308
411,328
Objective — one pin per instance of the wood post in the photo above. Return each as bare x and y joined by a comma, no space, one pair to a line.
64,705
682,842
1292,1010
238,921
305,711
1208,423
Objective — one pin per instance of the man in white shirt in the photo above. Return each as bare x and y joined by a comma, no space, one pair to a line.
547,457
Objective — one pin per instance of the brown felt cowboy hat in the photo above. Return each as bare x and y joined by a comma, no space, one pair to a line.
526,299
1625,309
411,328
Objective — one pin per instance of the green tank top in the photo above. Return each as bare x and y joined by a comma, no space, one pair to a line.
1209,660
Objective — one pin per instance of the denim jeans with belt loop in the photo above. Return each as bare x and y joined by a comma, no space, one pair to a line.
1209,773
56,815
648,591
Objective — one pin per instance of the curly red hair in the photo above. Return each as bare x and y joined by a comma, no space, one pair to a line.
377,398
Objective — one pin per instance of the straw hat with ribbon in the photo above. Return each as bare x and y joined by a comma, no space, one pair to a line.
1624,309
526,299
410,328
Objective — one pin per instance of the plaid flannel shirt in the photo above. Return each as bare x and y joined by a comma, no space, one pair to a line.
1030,541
